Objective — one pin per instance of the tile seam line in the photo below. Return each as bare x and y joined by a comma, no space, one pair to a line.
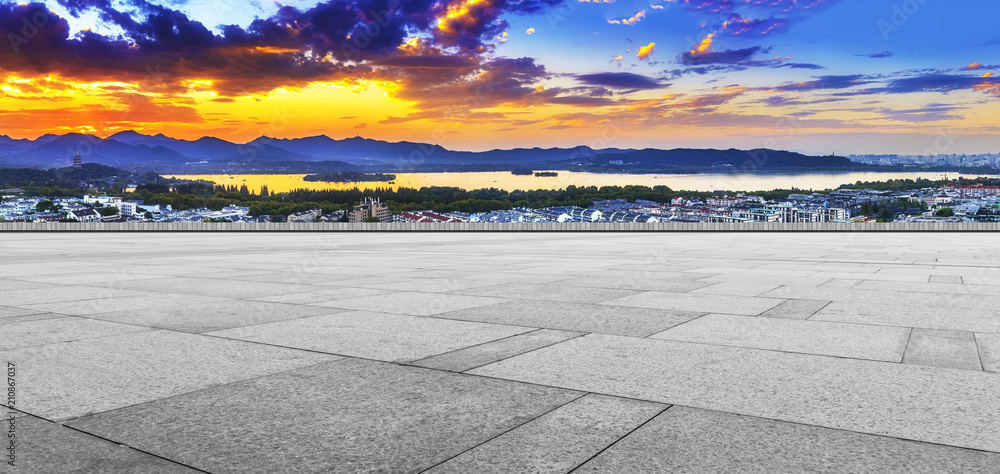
116,443
530,331
583,394
672,404
77,419
979,352
633,430
527,352
770,350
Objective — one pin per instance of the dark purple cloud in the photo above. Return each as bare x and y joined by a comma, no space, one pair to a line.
878,55
620,80
824,82
731,56
332,40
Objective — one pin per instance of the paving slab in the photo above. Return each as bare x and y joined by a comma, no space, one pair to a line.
346,416
10,312
558,441
8,284
989,351
130,304
322,296
621,320
43,446
953,407
947,349
773,280
735,289
52,330
840,283
678,285
222,287
949,279
795,309
807,337
932,287
910,316
380,336
412,303
691,440
549,292
749,306
29,317
19,298
226,314
72,379
489,352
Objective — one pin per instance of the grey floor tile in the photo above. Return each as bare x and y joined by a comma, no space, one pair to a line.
19,298
67,380
44,447
414,304
948,349
489,352
989,351
949,279
910,316
380,336
10,312
744,305
808,337
678,285
7,284
216,316
65,329
345,416
898,400
221,287
840,283
322,296
795,309
29,317
131,304
692,440
621,320
735,289
558,441
549,292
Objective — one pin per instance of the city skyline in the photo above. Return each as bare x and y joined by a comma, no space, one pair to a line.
815,76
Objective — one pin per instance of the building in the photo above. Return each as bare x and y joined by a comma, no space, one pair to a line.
78,161
84,215
128,208
370,208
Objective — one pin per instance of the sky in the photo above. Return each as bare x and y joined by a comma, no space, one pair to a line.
816,76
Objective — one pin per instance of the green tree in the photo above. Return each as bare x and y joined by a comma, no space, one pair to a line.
148,216
108,211
945,212
372,219
45,206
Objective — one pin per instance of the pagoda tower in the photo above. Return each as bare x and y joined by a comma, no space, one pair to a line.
78,160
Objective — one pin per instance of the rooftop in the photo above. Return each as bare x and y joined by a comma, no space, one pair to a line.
473,352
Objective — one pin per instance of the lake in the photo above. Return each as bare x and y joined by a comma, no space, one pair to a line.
506,181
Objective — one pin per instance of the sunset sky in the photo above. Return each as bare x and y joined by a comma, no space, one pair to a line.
818,76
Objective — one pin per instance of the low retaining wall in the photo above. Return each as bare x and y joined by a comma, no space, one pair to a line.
495,227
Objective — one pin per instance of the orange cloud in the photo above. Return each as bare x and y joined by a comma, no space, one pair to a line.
645,51
973,67
632,20
704,46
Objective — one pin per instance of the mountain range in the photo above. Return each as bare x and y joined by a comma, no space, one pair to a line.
160,153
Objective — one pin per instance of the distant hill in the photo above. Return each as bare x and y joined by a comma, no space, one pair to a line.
321,154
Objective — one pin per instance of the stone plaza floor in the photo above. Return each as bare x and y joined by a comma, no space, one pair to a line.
502,352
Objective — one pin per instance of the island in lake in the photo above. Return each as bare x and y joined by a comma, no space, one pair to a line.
529,172
350,177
